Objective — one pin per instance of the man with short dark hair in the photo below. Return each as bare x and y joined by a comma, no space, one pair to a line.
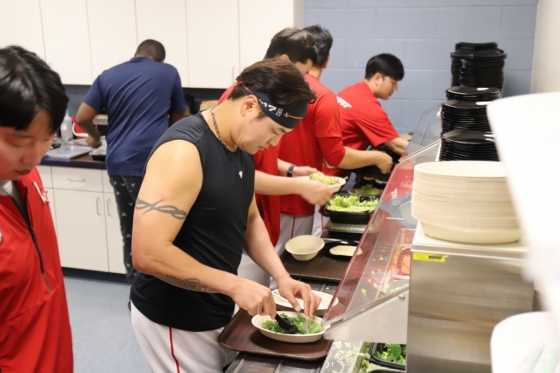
195,213
35,331
363,120
298,47
142,97
315,141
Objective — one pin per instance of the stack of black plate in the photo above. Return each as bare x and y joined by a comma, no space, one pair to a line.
461,145
472,94
478,65
464,115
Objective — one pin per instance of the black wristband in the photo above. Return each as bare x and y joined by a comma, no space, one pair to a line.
291,170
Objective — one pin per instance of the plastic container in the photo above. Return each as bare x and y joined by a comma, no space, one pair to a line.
66,128
383,363
347,217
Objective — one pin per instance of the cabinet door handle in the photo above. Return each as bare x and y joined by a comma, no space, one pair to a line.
97,205
76,179
108,207
233,73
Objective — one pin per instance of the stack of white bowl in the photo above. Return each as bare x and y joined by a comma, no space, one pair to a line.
464,201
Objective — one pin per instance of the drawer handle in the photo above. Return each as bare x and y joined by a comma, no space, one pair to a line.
97,205
109,207
76,179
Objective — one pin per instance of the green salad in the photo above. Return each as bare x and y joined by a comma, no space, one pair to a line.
394,353
351,204
323,178
367,189
304,325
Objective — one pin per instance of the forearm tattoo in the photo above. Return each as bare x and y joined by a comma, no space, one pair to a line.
166,209
192,284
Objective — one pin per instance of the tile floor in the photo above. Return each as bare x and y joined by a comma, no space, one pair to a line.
102,334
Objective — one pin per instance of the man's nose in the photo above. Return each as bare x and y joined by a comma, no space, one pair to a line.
33,156
275,140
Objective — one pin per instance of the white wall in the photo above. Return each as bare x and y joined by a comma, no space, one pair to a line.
546,68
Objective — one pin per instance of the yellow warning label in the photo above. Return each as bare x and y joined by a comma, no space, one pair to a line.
428,257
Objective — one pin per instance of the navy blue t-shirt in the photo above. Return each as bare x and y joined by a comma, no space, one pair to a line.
212,233
137,95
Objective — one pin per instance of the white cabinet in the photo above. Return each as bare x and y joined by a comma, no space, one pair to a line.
112,33
213,42
166,23
81,234
113,228
87,221
21,25
209,42
260,20
66,38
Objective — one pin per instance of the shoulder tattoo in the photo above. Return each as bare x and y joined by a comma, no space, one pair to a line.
192,284
165,209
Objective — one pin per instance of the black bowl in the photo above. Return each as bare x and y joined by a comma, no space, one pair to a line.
344,217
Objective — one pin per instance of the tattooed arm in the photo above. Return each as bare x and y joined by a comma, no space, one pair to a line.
192,284
170,187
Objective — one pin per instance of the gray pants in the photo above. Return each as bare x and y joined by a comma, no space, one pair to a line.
126,192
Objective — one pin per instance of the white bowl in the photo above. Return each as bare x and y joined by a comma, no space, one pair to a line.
466,169
304,248
320,311
479,236
257,321
334,187
464,201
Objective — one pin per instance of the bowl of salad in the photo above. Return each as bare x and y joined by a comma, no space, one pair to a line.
347,208
309,330
334,181
366,189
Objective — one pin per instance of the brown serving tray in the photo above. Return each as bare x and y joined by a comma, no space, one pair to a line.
241,335
324,267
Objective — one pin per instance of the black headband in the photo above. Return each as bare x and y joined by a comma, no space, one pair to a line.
288,117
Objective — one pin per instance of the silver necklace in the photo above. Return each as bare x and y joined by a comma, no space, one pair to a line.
218,134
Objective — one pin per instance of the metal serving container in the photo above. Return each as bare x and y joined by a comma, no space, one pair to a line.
458,293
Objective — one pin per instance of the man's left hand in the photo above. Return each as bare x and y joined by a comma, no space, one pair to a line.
290,288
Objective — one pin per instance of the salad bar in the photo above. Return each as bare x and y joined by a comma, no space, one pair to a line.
397,299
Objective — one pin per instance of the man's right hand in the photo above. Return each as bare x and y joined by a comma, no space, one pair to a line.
384,163
93,142
254,298
315,192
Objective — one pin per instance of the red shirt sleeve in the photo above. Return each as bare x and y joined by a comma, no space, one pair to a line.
327,128
376,126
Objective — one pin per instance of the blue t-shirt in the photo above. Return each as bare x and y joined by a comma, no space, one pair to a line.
137,95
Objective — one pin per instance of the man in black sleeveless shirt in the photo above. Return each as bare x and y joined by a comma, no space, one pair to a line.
196,211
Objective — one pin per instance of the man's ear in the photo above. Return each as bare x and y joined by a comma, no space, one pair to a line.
377,77
326,62
250,104
284,57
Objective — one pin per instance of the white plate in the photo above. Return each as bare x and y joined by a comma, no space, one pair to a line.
257,321
323,306
344,250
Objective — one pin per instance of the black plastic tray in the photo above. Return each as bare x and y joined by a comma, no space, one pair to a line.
382,363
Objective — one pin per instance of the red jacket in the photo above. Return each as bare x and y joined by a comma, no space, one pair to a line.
35,331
